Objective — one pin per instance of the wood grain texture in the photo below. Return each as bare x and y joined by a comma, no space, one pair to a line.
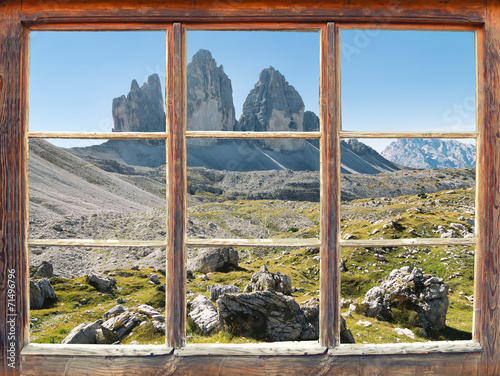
13,326
487,310
416,242
100,135
329,311
231,134
175,289
253,242
154,11
456,364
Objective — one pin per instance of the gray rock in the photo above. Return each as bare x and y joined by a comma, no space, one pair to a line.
311,122
83,334
214,259
44,270
218,290
160,328
147,310
264,315
274,105
122,324
41,291
101,283
204,315
449,234
105,336
263,280
407,289
116,310
311,311
209,97
142,110
154,279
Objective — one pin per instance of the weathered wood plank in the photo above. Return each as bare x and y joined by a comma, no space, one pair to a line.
403,364
100,135
163,243
175,289
416,242
253,349
487,293
13,265
329,311
96,351
216,134
252,242
96,243
451,11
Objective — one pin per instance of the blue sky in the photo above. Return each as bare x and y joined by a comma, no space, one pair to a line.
391,80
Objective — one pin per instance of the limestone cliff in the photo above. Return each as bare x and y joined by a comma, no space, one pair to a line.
142,110
274,105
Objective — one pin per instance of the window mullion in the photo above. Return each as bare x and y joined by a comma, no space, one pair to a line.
175,288
329,327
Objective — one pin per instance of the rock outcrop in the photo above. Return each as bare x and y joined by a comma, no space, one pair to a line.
120,321
409,296
274,105
214,259
142,110
311,122
204,315
209,97
264,315
41,293
101,283
216,291
263,280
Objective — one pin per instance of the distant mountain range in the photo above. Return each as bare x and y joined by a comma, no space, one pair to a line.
431,153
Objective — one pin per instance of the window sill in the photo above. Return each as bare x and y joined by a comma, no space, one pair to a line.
252,349
42,349
415,348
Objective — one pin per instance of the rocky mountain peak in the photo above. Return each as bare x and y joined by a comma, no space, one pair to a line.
431,153
209,95
358,147
142,110
274,105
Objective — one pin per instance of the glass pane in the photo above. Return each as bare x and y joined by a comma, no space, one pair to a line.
253,81
97,295
253,189
97,82
97,192
408,294
427,191
395,80
263,294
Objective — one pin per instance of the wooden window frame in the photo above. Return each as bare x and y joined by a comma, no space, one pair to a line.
480,356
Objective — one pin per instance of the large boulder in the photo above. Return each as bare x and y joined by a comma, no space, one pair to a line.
409,296
204,315
263,280
122,324
217,291
264,315
101,283
84,333
41,292
311,311
214,259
